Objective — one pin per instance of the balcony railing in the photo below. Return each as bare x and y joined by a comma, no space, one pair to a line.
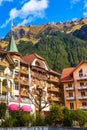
24,94
4,64
53,79
54,99
82,78
83,107
4,89
24,70
53,89
70,98
82,87
22,81
39,76
82,97
69,88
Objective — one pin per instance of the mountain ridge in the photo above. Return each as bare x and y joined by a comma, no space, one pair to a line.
32,31
61,45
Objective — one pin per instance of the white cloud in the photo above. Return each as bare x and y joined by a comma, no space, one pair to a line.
85,7
74,19
74,1
85,14
31,9
1,1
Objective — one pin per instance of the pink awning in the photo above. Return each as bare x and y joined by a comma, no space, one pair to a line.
26,108
13,107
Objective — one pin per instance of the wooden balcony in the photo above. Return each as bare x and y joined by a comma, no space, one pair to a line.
24,71
24,94
4,64
24,82
4,89
39,76
16,79
2,74
53,89
53,79
54,99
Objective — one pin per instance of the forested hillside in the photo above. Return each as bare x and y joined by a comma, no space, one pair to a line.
60,44
60,50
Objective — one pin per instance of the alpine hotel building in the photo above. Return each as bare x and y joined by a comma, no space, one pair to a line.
26,73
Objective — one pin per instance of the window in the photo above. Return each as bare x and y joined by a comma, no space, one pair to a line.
16,73
16,86
70,94
80,73
1,70
71,106
82,93
83,103
1,58
37,63
17,63
81,84
69,85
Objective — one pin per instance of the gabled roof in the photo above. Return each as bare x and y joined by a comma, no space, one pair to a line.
80,64
68,72
30,58
67,75
54,72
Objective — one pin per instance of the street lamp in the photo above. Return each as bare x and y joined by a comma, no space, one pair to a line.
7,73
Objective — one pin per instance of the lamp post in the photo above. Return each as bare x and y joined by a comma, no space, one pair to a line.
7,73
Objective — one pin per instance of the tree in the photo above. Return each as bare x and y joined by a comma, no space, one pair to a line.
67,121
79,116
55,115
3,108
37,97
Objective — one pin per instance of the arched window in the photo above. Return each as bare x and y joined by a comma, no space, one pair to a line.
37,63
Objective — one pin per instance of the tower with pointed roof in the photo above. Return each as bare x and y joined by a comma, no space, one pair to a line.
12,46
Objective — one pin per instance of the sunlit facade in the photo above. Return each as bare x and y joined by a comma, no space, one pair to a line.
27,73
75,86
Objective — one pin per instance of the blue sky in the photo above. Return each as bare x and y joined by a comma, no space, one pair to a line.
25,12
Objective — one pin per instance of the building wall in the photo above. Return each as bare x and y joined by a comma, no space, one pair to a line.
19,77
77,93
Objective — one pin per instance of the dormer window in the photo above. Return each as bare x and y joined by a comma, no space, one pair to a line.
17,63
37,63
80,73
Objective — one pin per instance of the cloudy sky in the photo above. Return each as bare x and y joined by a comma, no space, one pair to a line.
25,12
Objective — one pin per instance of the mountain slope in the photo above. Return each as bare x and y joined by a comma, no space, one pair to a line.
61,44
59,49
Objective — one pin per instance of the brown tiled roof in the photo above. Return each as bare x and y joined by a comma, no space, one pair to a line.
67,75
23,61
30,58
54,72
